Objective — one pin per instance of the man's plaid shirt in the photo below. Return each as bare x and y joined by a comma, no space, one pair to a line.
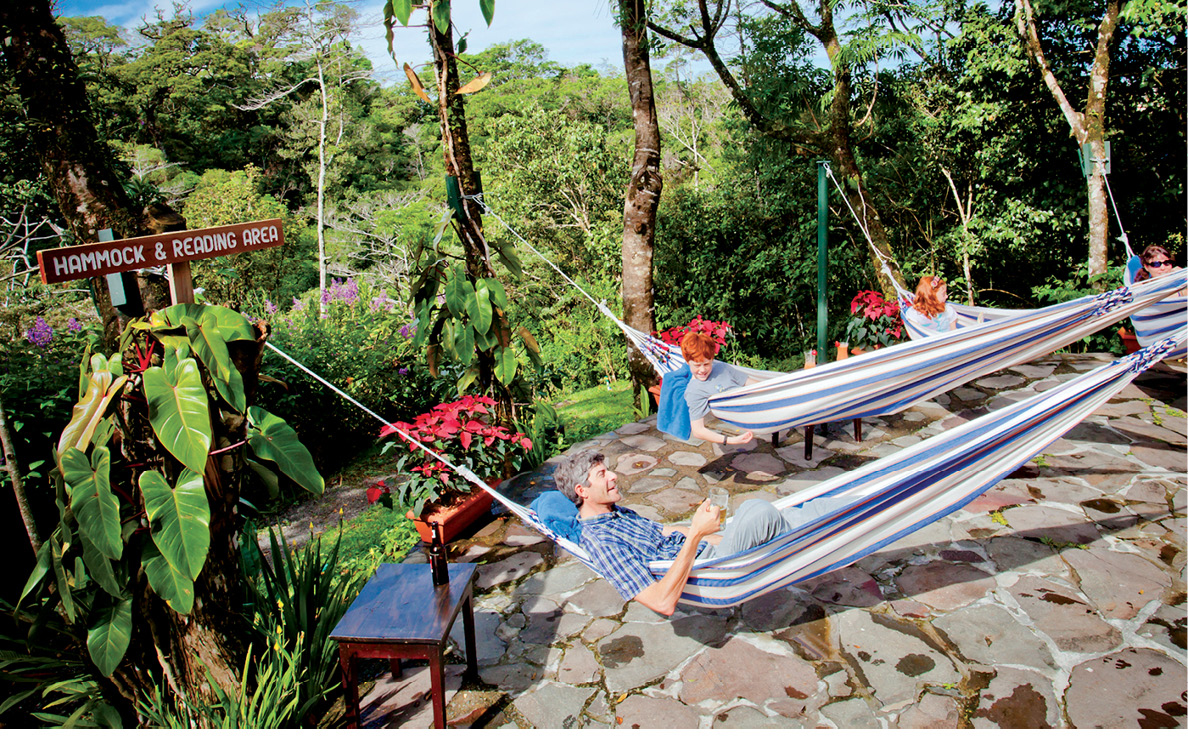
622,543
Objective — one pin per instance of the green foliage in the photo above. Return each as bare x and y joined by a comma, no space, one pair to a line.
225,198
98,545
379,535
1058,290
593,411
363,346
298,598
44,675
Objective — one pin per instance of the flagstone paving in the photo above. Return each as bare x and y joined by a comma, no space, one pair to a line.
1057,599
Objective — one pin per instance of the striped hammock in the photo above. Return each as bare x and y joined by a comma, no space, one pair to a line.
891,379
898,494
1161,319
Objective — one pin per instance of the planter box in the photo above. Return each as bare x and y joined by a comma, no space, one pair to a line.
454,519
1129,340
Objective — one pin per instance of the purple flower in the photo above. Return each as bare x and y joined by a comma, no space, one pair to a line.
73,325
403,371
382,302
269,307
41,334
344,291
406,331
298,306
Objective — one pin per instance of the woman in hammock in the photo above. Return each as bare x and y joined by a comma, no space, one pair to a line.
929,309
1157,262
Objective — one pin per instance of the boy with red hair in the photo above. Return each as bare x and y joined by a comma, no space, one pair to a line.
709,377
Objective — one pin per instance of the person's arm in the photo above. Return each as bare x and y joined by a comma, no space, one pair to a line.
699,430
662,595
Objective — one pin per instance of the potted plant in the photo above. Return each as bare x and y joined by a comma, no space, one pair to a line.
673,335
464,433
875,322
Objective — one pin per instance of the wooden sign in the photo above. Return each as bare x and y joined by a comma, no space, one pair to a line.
95,259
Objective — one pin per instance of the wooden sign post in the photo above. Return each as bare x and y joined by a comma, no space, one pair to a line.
174,250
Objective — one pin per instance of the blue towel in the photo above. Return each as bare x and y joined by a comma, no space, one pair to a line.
559,514
673,416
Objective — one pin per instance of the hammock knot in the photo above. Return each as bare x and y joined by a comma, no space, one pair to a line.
1110,301
1152,354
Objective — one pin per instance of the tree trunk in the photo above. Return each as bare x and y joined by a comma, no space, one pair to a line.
90,197
76,165
18,485
451,113
1087,127
643,190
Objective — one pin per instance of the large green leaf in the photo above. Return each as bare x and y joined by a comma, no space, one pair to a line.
208,343
41,566
168,581
94,505
464,343
180,519
478,307
178,412
231,325
488,8
498,293
108,639
441,15
101,388
271,438
100,569
457,289
402,9
56,553
506,365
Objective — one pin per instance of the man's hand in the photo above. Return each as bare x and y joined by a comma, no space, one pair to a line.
705,520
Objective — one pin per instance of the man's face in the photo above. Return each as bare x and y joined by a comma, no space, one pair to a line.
600,486
701,369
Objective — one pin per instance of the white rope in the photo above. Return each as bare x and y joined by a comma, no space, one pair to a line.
1121,230
883,262
464,471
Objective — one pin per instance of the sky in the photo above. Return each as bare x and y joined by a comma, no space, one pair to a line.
573,31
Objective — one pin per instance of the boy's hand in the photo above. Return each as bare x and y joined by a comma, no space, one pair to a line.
741,439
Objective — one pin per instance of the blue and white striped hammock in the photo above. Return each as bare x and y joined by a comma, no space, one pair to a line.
1161,319
891,379
898,494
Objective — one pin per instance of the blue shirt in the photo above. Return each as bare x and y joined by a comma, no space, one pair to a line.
622,543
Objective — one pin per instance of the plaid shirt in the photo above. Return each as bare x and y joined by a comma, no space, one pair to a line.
622,543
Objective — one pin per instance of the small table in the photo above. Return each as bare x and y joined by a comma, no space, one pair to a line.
400,613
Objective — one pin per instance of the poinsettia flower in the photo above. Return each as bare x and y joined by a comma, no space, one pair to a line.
525,443
376,491
464,439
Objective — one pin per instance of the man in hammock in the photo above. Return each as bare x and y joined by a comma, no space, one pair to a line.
621,543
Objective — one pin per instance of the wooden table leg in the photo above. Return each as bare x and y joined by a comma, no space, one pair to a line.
437,687
808,442
350,686
468,629
394,662
858,429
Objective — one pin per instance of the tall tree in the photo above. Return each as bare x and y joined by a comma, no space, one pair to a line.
1088,125
827,129
643,189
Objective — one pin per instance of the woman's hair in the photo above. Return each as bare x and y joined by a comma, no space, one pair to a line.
698,347
926,301
1151,252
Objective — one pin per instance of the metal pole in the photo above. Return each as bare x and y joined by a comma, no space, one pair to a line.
822,262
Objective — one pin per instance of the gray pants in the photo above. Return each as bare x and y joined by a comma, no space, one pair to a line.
757,522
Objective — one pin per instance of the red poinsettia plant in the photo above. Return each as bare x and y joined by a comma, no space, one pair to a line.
462,432
876,321
717,330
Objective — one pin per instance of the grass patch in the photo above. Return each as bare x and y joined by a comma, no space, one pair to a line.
593,411
376,536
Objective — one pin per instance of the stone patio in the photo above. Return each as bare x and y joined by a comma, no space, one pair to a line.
1056,600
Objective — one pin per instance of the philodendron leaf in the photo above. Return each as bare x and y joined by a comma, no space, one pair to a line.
441,15
402,9
488,8
167,581
180,518
179,413
101,388
231,325
108,639
506,365
478,307
99,568
94,505
271,438
211,348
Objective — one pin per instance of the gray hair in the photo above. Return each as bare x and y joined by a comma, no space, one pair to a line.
574,470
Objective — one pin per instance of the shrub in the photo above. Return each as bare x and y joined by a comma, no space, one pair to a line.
361,345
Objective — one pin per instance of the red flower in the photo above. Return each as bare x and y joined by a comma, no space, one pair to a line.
377,490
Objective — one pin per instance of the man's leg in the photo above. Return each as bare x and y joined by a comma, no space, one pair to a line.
798,516
754,523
